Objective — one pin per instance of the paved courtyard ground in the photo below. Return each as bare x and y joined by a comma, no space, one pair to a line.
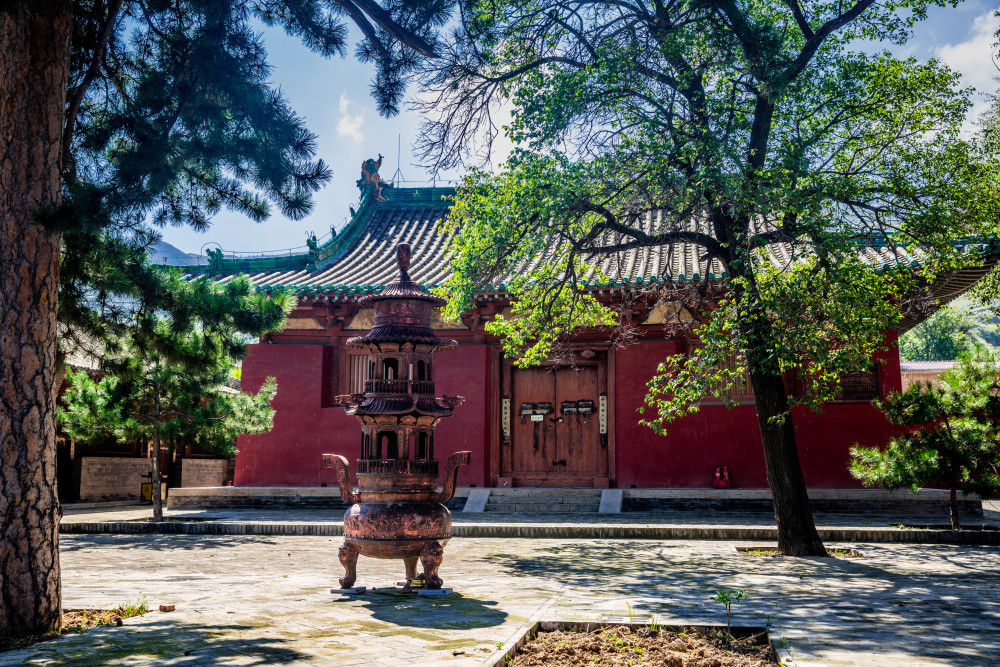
266,600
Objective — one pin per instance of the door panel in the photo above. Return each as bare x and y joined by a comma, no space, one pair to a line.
533,435
577,435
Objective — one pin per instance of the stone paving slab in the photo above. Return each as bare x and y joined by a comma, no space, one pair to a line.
267,601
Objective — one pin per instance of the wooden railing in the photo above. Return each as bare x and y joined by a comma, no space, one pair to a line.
398,387
422,387
386,386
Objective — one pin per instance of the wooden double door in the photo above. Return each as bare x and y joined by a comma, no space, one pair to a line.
555,426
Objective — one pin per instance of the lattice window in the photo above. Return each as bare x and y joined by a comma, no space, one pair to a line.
356,370
741,389
858,385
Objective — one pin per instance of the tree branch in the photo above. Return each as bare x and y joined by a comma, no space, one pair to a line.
800,18
81,91
814,42
385,21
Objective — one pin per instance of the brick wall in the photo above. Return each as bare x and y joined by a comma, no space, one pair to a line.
203,472
112,478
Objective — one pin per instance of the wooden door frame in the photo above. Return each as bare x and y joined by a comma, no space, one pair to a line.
502,369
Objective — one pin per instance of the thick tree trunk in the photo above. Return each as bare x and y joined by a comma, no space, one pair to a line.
953,509
797,534
35,48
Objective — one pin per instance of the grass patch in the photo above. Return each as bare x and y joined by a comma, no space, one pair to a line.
772,552
943,526
75,621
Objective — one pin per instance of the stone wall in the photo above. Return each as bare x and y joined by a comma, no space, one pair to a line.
913,377
203,472
112,477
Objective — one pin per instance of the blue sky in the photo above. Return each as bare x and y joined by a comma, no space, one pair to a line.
332,95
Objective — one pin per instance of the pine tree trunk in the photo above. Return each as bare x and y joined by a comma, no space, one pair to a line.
157,498
953,509
34,66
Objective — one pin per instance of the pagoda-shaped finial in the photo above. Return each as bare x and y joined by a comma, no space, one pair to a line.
403,260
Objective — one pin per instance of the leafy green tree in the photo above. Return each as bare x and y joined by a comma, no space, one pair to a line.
114,114
951,437
942,336
750,131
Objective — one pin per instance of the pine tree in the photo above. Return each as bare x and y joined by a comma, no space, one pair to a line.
951,435
163,381
167,404
112,113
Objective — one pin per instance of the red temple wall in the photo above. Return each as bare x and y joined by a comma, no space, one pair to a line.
717,436
465,371
291,453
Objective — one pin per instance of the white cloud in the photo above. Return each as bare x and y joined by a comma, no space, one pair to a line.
350,123
973,57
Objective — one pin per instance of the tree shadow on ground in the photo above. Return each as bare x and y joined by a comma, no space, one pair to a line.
160,642
894,601
453,612
159,542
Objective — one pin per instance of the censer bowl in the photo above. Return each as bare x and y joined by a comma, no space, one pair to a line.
396,530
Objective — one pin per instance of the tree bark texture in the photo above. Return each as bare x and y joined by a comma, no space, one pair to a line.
34,67
797,534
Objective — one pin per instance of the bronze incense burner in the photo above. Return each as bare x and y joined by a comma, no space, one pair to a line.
397,511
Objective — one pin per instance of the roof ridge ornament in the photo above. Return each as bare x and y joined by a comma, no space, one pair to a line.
371,182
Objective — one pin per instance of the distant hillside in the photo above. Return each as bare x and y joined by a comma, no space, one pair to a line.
951,331
164,253
985,328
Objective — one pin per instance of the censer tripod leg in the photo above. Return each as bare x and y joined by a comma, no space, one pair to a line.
349,559
431,556
411,568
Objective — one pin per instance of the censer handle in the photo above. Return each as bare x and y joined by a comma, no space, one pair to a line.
455,461
343,469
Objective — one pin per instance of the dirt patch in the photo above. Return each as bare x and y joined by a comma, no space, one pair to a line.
772,552
75,621
623,646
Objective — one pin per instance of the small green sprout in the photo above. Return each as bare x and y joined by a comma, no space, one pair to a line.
729,598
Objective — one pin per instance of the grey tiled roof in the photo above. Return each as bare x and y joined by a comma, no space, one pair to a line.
361,259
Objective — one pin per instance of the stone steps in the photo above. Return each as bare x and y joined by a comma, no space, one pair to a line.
543,501
540,508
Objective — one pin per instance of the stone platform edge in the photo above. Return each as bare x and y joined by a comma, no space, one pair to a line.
307,492
545,531
863,501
